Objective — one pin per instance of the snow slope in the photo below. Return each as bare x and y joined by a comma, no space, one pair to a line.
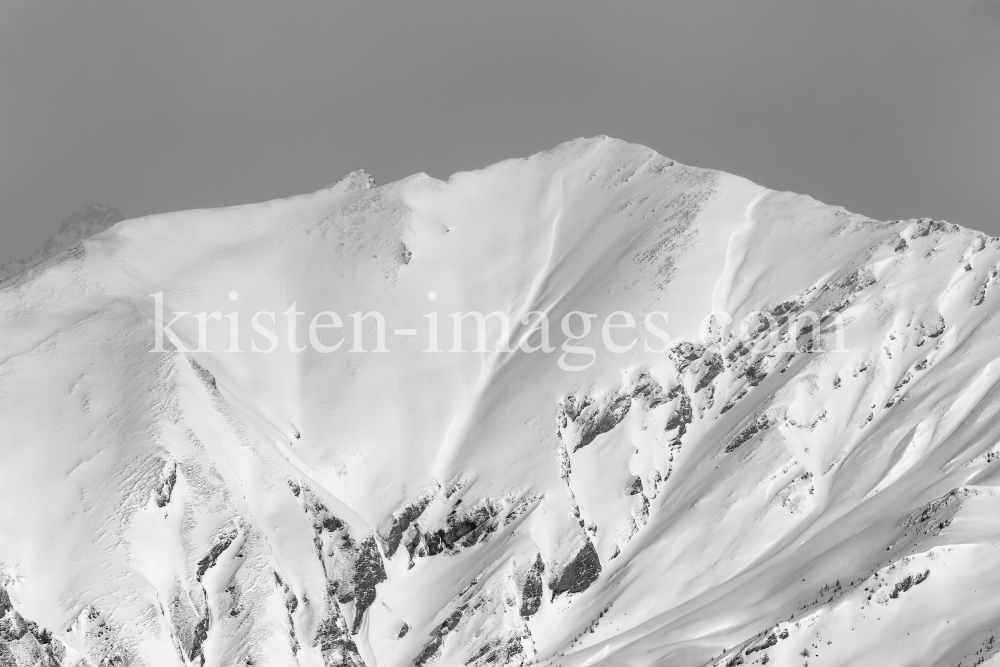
716,503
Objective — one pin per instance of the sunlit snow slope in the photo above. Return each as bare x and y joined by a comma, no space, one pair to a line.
710,504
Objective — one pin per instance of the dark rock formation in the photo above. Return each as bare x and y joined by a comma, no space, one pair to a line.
531,591
582,571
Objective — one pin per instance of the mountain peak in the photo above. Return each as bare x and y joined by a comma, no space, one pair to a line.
589,407
356,180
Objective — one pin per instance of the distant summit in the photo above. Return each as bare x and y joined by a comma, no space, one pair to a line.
356,180
89,220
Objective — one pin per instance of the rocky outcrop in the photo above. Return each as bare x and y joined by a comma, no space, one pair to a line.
24,644
579,574
353,568
531,588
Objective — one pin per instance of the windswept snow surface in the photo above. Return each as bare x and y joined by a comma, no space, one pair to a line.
830,502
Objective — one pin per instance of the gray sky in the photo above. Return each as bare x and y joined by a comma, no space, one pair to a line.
887,108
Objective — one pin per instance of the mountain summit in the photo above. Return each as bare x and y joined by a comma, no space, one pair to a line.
332,429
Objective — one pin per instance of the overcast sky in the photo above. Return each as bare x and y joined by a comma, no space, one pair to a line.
888,108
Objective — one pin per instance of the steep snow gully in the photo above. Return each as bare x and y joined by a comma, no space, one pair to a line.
805,473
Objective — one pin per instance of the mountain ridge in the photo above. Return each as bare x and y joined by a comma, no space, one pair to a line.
679,505
85,222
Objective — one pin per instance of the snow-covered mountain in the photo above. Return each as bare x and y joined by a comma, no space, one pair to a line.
821,491
89,220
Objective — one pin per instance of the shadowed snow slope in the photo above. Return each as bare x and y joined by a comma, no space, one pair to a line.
825,494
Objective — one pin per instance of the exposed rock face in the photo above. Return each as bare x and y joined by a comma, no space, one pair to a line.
582,571
531,590
24,644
